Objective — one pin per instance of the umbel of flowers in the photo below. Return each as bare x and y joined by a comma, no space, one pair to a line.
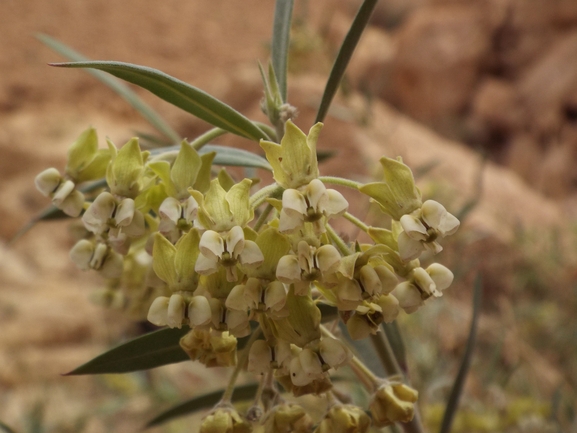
179,244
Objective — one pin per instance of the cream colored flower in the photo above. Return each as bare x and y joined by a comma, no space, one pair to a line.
310,204
393,402
308,265
63,192
423,227
99,257
177,216
421,285
226,250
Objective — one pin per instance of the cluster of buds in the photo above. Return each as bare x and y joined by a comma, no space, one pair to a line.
168,227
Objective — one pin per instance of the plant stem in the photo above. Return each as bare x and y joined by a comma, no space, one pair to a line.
356,221
268,130
203,139
338,241
385,353
261,195
226,397
262,217
341,181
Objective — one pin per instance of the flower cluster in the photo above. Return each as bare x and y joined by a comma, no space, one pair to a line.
180,246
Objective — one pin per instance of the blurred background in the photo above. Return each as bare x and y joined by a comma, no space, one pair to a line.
478,96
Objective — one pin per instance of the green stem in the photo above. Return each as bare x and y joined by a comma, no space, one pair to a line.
338,241
385,353
356,221
261,195
340,181
262,218
226,397
268,130
205,138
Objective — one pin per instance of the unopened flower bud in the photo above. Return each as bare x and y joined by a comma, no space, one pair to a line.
287,418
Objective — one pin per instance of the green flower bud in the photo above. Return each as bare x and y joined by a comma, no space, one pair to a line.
397,195
124,173
221,210
294,161
393,403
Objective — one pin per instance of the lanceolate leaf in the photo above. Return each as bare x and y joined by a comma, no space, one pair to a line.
180,94
148,351
123,90
280,42
455,396
235,157
241,393
345,54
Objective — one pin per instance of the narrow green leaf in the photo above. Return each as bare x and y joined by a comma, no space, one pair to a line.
180,94
397,344
124,91
280,42
205,401
235,157
142,353
454,397
344,56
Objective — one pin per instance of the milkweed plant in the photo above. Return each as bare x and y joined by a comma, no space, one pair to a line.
248,275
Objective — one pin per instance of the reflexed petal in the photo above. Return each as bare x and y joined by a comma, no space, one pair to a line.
175,315
73,204
310,362
275,295
388,278
47,181
335,205
190,209
449,225
236,299
99,212
236,320
334,353
408,296
294,202
414,228
81,254
235,241
409,249
434,247
370,280
252,292
206,265
441,275
99,256
251,254
163,254
289,222
158,311
63,191
358,327
259,357
170,209
124,212
288,269
425,282
328,259
389,307
316,193
199,312
211,245
433,213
